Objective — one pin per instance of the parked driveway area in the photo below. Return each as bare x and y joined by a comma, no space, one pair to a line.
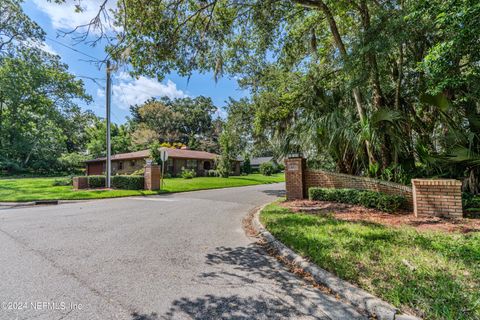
178,256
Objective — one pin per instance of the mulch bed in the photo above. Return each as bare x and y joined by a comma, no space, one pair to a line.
356,213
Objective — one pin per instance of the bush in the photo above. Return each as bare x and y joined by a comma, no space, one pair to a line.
128,182
72,162
268,168
96,181
139,172
246,166
369,199
188,174
212,173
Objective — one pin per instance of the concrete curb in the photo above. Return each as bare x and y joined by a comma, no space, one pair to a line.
357,297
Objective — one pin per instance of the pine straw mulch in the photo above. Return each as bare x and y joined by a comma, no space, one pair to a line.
348,212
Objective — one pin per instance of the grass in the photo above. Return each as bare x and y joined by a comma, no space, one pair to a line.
435,275
30,189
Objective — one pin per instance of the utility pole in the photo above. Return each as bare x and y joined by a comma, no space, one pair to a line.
108,99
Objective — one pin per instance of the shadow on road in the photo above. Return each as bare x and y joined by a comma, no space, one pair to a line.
270,292
278,193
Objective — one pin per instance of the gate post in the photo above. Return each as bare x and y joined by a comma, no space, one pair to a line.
152,177
295,178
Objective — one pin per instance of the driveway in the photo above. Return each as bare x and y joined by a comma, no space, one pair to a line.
178,256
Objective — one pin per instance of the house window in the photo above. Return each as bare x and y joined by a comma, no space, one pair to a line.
132,163
207,165
170,165
120,165
192,164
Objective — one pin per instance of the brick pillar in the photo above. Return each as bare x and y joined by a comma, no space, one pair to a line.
152,177
295,178
437,197
80,183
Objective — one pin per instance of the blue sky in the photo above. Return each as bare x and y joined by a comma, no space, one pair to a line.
126,91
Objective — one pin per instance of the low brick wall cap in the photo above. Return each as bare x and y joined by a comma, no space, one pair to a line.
437,182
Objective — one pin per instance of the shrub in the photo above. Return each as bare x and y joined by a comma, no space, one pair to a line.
268,168
128,182
246,166
212,173
188,174
139,172
369,199
72,162
96,181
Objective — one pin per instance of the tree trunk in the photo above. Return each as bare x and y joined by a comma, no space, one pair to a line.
343,52
471,184
378,100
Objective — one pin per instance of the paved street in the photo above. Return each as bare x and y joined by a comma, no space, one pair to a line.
178,256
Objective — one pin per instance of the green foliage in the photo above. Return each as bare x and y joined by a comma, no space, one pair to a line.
96,182
35,117
131,182
185,121
433,273
361,86
188,174
246,166
17,29
40,121
120,139
369,199
155,153
139,172
72,162
228,152
268,168
212,173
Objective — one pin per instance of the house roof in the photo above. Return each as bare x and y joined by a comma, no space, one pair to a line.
258,161
172,153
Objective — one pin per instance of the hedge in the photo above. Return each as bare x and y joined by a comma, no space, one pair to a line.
128,182
96,182
369,199
133,182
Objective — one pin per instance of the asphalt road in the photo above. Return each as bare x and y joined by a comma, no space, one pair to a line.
178,256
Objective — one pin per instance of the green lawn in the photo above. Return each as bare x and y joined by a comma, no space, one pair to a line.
436,275
29,189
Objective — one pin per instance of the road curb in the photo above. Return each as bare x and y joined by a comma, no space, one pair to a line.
357,297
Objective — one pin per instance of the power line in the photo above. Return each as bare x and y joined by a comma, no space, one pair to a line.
71,48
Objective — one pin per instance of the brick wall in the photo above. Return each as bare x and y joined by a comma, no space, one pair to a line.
324,179
438,197
426,197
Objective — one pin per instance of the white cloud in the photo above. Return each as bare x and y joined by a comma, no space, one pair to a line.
128,91
43,46
64,17
47,48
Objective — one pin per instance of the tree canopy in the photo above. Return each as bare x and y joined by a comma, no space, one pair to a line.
183,120
384,88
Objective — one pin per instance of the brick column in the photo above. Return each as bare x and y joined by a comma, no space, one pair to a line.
152,177
295,178
437,197
80,183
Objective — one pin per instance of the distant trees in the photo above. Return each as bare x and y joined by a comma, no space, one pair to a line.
39,119
184,120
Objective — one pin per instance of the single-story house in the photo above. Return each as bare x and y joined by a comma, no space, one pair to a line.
127,163
256,162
